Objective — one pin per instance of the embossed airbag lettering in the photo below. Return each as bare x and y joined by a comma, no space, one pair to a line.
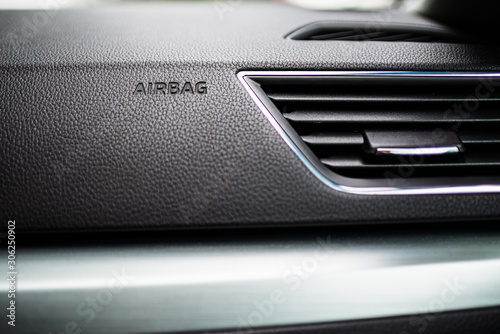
172,87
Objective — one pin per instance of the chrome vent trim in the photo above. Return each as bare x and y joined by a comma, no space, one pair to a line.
264,104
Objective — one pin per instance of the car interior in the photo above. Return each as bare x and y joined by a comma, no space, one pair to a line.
250,167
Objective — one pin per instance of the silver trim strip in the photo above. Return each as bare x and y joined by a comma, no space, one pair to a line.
468,189
209,284
417,150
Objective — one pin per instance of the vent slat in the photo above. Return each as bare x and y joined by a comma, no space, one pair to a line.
424,39
393,38
486,137
334,139
334,35
369,98
380,36
348,162
360,36
386,117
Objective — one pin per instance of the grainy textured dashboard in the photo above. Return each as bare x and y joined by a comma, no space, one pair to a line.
80,151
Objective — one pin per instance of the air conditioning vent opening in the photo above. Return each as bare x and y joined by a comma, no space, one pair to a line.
376,32
384,129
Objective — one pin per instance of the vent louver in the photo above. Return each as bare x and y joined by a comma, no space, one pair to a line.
327,31
398,130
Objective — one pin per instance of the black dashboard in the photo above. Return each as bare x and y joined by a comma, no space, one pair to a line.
129,138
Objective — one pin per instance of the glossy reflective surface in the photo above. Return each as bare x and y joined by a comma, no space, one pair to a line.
214,283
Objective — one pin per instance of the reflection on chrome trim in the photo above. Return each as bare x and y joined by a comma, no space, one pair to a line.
466,189
168,286
417,150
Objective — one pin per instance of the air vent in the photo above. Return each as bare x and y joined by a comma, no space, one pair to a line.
326,31
435,132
